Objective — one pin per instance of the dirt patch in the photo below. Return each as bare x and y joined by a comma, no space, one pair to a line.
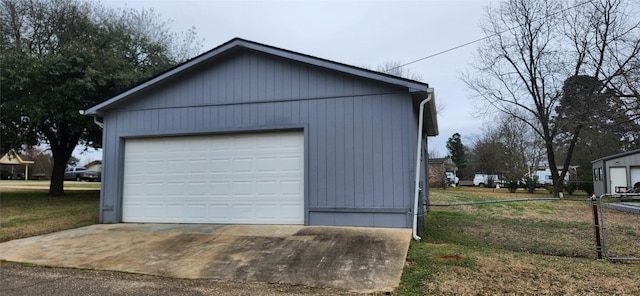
452,258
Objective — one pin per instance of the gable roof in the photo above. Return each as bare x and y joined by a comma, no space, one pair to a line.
446,161
418,90
95,162
12,157
622,154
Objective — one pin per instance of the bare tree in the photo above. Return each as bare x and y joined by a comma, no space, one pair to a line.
395,68
605,40
434,153
522,149
536,45
487,155
507,146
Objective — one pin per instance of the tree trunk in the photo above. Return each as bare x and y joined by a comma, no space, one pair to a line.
61,151
559,184
56,187
558,187
551,159
555,177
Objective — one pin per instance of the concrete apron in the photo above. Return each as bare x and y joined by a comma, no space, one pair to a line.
351,258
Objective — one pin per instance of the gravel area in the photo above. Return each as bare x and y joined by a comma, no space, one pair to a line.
17,279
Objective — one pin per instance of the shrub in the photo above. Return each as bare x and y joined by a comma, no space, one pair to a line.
531,183
512,185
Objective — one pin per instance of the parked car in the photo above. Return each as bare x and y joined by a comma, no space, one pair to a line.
81,174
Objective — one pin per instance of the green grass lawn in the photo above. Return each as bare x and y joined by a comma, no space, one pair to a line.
29,213
524,248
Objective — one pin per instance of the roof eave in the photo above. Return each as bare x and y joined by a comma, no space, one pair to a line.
614,156
412,86
430,126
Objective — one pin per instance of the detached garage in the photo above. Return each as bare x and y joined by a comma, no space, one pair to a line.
253,134
616,173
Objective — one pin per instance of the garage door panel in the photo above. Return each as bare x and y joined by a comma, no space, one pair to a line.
198,188
635,175
290,164
243,165
219,211
248,178
175,211
291,187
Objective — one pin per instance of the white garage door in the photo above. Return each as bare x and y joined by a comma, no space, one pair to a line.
618,177
252,178
635,175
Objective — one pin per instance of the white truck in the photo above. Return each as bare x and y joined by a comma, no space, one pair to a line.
452,179
485,179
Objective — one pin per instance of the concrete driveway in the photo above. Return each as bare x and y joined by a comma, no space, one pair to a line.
351,258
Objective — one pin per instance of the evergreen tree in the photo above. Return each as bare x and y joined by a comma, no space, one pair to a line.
456,151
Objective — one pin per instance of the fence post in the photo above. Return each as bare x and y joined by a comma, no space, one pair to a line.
596,226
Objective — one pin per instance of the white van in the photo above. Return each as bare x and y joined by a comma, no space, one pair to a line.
483,179
544,177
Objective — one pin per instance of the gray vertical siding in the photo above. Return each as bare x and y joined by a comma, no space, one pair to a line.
599,186
360,134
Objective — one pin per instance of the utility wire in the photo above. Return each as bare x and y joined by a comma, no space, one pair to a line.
480,39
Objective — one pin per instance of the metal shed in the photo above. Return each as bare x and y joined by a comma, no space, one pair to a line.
616,173
250,133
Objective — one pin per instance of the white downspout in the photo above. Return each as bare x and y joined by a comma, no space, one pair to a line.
98,123
95,119
418,157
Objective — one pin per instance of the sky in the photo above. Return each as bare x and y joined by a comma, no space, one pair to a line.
359,33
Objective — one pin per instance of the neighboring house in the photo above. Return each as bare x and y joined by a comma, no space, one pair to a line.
12,159
616,173
95,166
437,169
250,133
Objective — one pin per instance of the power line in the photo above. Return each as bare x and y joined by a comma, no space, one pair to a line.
480,39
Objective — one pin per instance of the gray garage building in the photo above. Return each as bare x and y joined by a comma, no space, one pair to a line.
253,134
616,173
